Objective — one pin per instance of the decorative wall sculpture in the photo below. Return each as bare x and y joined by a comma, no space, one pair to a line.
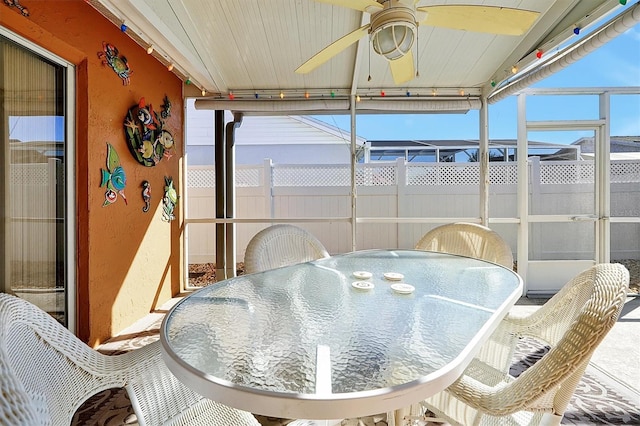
146,195
169,200
119,64
113,178
148,140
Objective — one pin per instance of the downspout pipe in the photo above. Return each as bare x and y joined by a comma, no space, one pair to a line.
219,152
230,192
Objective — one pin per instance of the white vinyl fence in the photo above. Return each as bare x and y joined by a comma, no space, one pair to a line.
411,190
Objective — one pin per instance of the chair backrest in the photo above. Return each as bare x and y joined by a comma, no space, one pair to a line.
37,352
468,239
281,245
573,323
17,407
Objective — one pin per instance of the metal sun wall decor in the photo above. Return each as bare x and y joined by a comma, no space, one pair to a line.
169,200
119,64
16,3
113,178
148,140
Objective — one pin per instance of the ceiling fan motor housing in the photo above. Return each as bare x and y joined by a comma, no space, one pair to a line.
393,30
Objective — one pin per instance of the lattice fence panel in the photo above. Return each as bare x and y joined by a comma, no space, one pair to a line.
382,175
30,174
443,174
625,171
503,174
312,175
201,178
206,178
248,177
567,173
421,175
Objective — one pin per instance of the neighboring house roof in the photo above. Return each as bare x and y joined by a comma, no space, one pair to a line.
621,147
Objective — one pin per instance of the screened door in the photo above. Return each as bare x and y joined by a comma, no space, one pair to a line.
33,166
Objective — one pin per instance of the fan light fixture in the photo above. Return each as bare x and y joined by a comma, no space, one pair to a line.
393,32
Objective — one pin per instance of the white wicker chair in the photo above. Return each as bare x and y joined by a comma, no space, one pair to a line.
56,367
281,245
468,239
572,324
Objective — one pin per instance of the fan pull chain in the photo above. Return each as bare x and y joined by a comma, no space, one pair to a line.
417,55
369,56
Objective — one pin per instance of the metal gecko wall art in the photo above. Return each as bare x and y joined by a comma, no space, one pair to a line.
148,139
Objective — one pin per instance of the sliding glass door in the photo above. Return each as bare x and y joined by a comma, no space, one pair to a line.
34,160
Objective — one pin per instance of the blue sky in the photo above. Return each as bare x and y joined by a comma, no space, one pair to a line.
616,63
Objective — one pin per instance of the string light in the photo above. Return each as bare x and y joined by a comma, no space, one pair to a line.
623,2
358,98
408,93
232,96
123,27
204,92
188,81
333,94
256,95
170,67
150,49
514,69
539,54
493,83
306,95
281,95
434,92
576,30
461,92
382,93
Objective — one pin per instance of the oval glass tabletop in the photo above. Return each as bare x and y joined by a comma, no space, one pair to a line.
303,342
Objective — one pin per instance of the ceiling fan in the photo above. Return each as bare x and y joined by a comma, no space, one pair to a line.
394,25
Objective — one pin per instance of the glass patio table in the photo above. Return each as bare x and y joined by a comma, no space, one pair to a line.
311,341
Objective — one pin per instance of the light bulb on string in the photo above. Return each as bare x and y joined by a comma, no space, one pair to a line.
306,95
281,95
188,81
461,92
150,49
256,95
358,98
204,92
123,27
514,69
170,67
539,54
576,30
232,96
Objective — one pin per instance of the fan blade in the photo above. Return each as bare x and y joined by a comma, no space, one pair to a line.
332,50
482,19
369,6
402,68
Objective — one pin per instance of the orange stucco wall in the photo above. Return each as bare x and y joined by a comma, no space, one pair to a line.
128,261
